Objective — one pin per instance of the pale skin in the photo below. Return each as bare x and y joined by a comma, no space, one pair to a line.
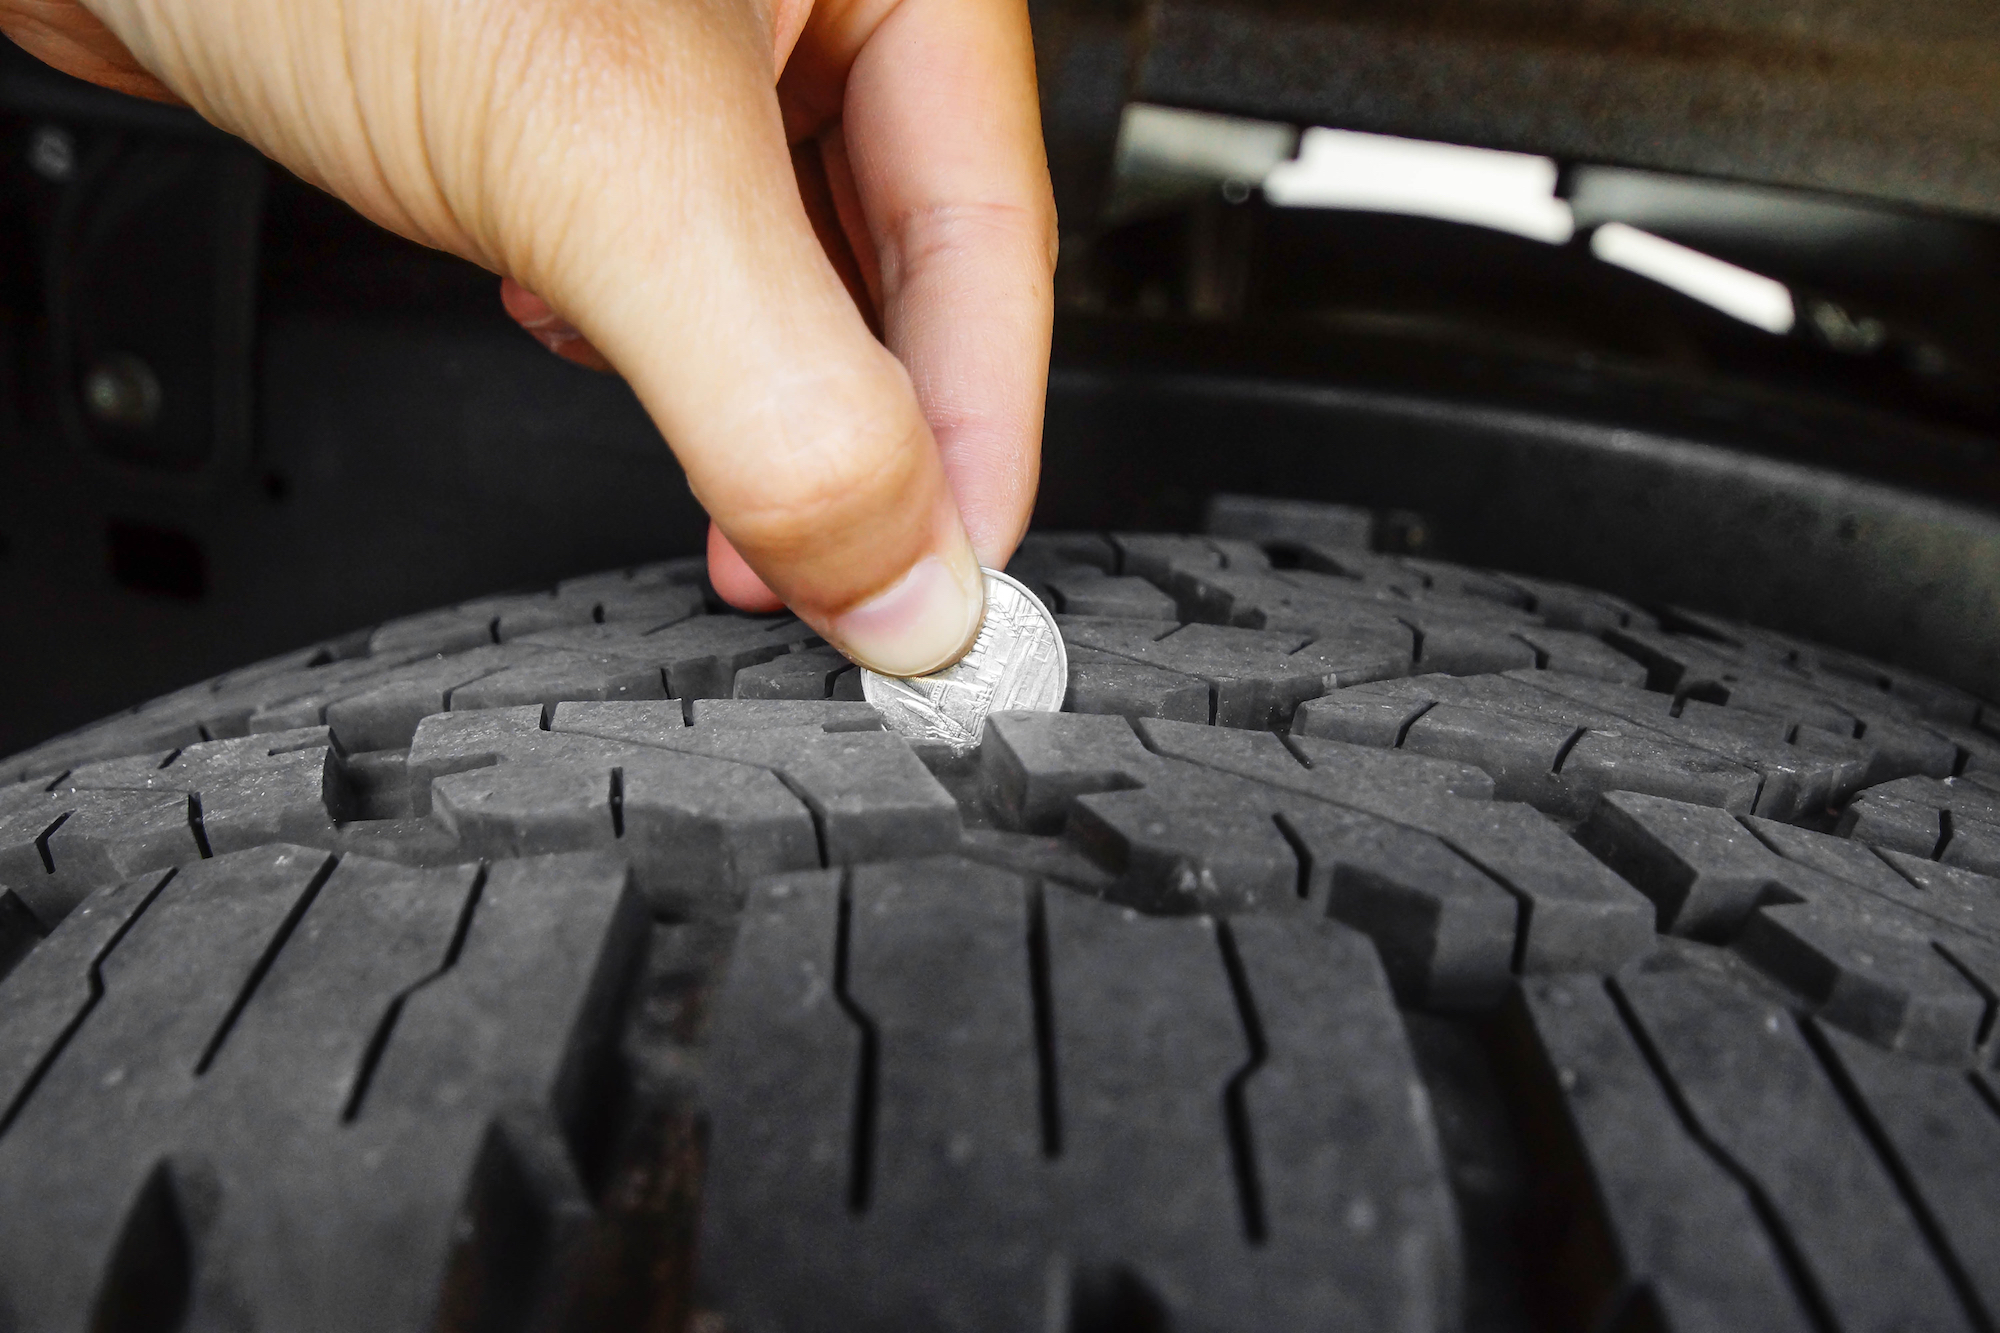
815,236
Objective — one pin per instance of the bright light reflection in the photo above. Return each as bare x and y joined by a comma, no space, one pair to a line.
1511,192
1750,297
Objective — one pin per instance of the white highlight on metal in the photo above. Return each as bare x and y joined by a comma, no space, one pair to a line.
1018,661
1511,192
1750,297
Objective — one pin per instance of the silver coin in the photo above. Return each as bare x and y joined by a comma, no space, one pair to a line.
1017,662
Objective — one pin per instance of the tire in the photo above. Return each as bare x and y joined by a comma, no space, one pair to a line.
1373,943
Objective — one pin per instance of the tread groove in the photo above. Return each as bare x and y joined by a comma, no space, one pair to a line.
392,1013
279,938
1403,732
197,827
812,813
1978,983
1541,655
42,841
95,977
1811,1298
861,1142
1300,850
1562,751
1236,1113
1985,1089
1913,1199
1041,991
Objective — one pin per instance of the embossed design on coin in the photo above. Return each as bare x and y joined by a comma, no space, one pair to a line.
1017,662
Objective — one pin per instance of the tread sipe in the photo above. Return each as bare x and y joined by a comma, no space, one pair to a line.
1372,943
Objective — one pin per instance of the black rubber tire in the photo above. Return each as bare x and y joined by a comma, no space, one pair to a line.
1375,943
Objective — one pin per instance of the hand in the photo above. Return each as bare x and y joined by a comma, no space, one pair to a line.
647,174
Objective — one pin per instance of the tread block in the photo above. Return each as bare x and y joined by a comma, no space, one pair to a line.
521,1029
1796,781
1096,594
1444,930
828,1009
1842,858
695,828
1703,870
1560,753
1035,763
1259,678
1354,1208
828,715
1059,547
527,809
702,655
1603,761
956,1106
103,740
267,1117
654,605
1869,968
1577,915
1188,851
699,656
56,984
450,629
1468,650
870,1038
1968,900
20,930
1521,754
1272,520
384,714
278,787
1944,1137
1961,819
1747,1077
1846,932
1359,721
871,797
1973,846
1102,683
802,675
107,836
1580,654
288,699
783,1101
1330,770
1636,1201
1148,1031
1032,765
556,677
1902,826
171,990
532,994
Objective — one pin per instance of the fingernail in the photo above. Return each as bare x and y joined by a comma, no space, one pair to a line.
926,620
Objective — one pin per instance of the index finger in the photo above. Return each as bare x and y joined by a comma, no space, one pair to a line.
942,133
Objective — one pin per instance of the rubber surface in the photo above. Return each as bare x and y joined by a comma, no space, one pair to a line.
1372,943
